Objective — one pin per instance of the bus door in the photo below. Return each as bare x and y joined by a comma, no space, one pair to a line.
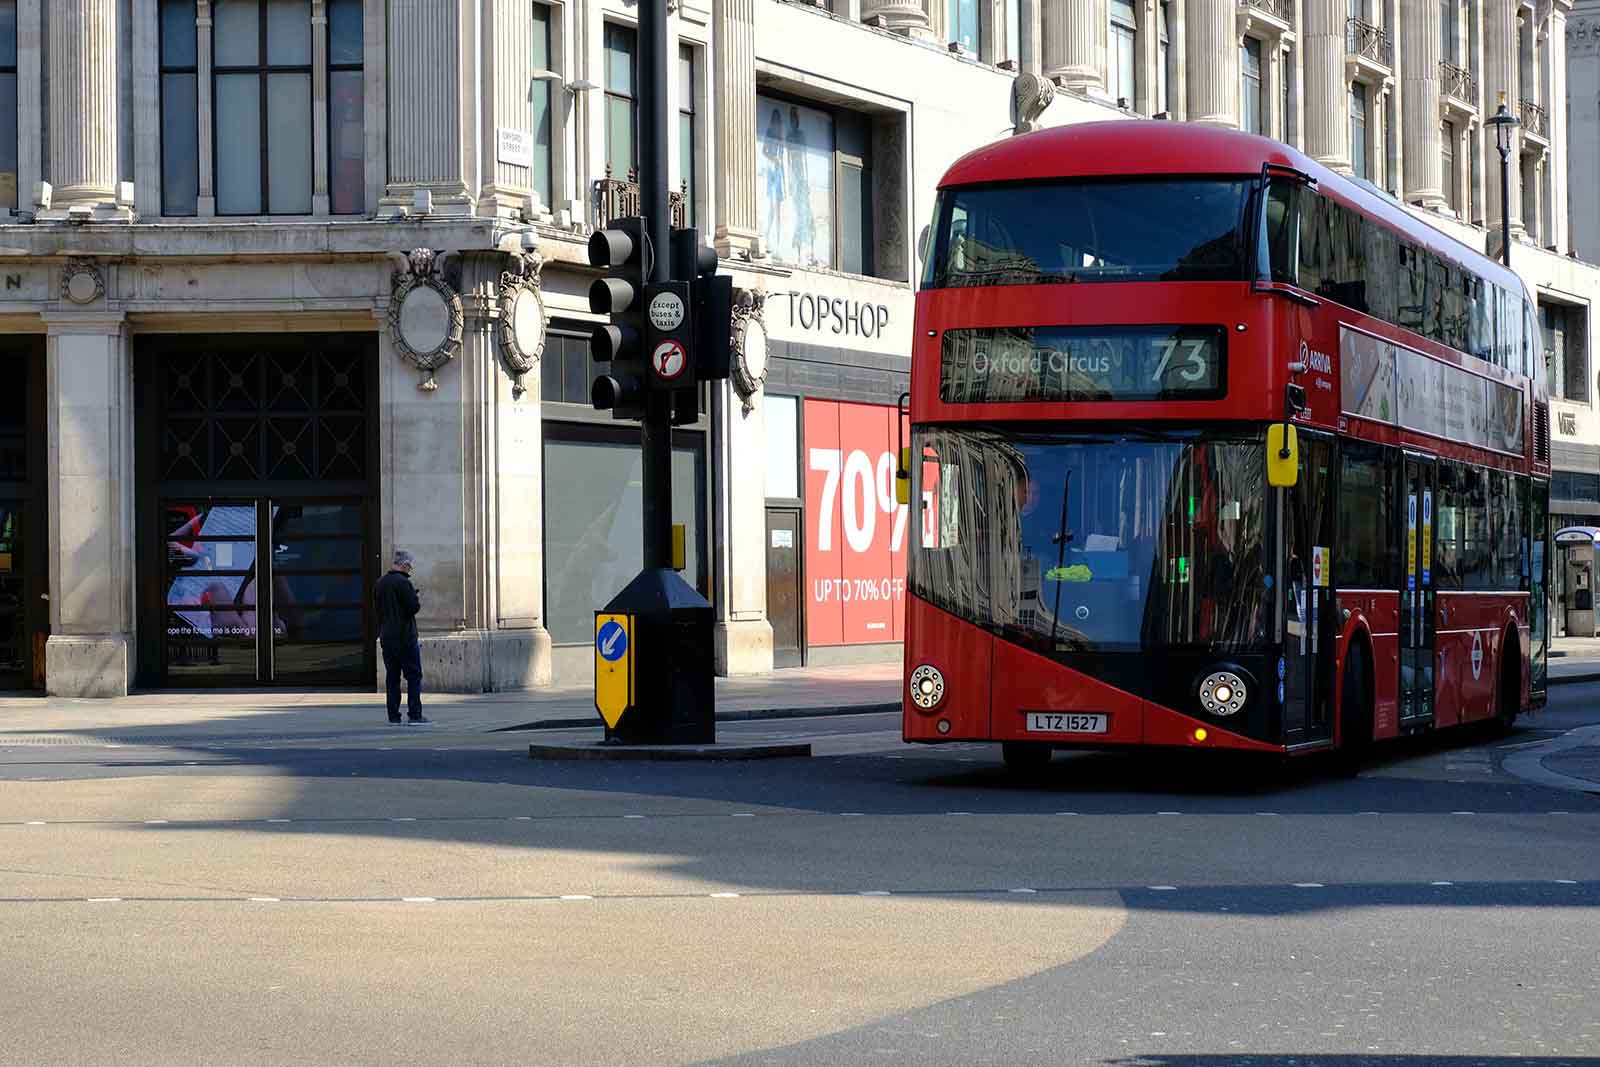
1419,491
1305,570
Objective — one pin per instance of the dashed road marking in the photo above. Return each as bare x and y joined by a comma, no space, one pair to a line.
576,896
419,900
1022,889
1309,885
264,900
1163,888
1441,883
873,893
724,896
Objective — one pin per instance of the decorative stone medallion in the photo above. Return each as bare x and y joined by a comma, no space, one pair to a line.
81,281
425,316
523,319
749,343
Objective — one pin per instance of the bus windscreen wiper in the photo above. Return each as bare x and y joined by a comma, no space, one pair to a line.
1060,539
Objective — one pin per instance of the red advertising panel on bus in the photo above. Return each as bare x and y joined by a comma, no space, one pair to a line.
855,529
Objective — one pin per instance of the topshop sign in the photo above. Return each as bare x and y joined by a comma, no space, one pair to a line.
836,316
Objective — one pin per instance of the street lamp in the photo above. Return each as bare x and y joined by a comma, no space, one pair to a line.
1504,122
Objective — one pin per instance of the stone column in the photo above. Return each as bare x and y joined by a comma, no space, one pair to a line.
1556,56
1327,122
1030,27
1501,75
90,444
319,107
1075,43
83,41
1420,37
1213,69
901,16
742,635
1178,52
206,201
733,53
507,59
430,46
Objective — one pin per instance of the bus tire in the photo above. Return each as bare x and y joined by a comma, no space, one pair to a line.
1355,713
1025,756
1510,696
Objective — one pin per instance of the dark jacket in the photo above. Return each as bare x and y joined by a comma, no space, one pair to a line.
397,605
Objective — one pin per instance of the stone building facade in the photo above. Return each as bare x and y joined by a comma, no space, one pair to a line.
290,285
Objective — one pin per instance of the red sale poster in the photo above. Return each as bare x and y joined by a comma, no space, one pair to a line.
855,529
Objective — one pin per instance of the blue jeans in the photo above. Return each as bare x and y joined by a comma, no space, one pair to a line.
407,660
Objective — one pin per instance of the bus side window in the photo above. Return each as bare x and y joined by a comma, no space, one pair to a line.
1283,231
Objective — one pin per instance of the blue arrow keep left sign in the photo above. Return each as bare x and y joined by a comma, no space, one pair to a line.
611,641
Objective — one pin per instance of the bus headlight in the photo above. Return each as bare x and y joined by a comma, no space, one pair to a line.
1223,693
927,687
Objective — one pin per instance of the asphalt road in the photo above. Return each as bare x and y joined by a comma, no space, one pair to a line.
440,898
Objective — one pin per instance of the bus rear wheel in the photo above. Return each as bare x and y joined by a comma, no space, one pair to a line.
1023,756
1355,714
1510,701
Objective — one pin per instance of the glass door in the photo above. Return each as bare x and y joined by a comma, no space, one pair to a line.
211,634
1310,630
264,591
1419,489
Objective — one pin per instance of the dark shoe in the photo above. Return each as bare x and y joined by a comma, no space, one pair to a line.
419,720
395,720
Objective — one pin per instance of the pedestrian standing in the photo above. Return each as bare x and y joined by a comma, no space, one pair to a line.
398,604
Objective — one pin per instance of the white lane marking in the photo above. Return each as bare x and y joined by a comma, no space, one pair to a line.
958,813
1309,885
724,896
743,815
850,814
633,816
1022,889
418,900
1163,888
873,893
1441,883
577,896
1461,813
264,900
103,900
522,818
1066,813
1266,813
155,822
403,818
1169,813
1565,881
37,822
277,820
1367,813
1560,813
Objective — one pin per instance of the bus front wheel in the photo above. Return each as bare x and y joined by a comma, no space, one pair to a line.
1025,755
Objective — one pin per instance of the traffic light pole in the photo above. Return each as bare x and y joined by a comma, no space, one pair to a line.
656,430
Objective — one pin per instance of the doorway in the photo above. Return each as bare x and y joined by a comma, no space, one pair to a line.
1306,579
24,547
1418,487
783,585
257,509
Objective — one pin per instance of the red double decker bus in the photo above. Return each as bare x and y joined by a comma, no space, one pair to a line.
1212,447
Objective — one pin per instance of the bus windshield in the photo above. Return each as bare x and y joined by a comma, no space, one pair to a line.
1130,229
1083,542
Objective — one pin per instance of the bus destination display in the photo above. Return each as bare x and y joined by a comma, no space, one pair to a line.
1058,364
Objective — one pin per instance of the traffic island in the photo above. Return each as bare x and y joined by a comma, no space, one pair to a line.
610,750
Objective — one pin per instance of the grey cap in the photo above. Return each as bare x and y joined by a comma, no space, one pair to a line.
402,558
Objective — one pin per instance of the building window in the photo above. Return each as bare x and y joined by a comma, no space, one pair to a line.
1250,90
1358,130
686,160
815,187
347,176
1449,10
1452,188
8,104
1566,350
1124,53
964,24
180,109
1285,115
622,132
261,88
543,176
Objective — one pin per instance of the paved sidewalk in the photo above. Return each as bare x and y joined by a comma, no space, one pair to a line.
265,715
1574,659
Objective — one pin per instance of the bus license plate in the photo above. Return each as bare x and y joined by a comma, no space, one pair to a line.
1066,723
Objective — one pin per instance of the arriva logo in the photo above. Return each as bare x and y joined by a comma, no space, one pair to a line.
1320,362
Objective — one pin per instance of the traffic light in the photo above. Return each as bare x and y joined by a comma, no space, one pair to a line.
711,300
621,249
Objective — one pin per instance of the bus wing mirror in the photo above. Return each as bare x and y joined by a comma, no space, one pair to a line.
902,478
1283,456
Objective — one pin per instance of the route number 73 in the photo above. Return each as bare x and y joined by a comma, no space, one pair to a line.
1194,350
